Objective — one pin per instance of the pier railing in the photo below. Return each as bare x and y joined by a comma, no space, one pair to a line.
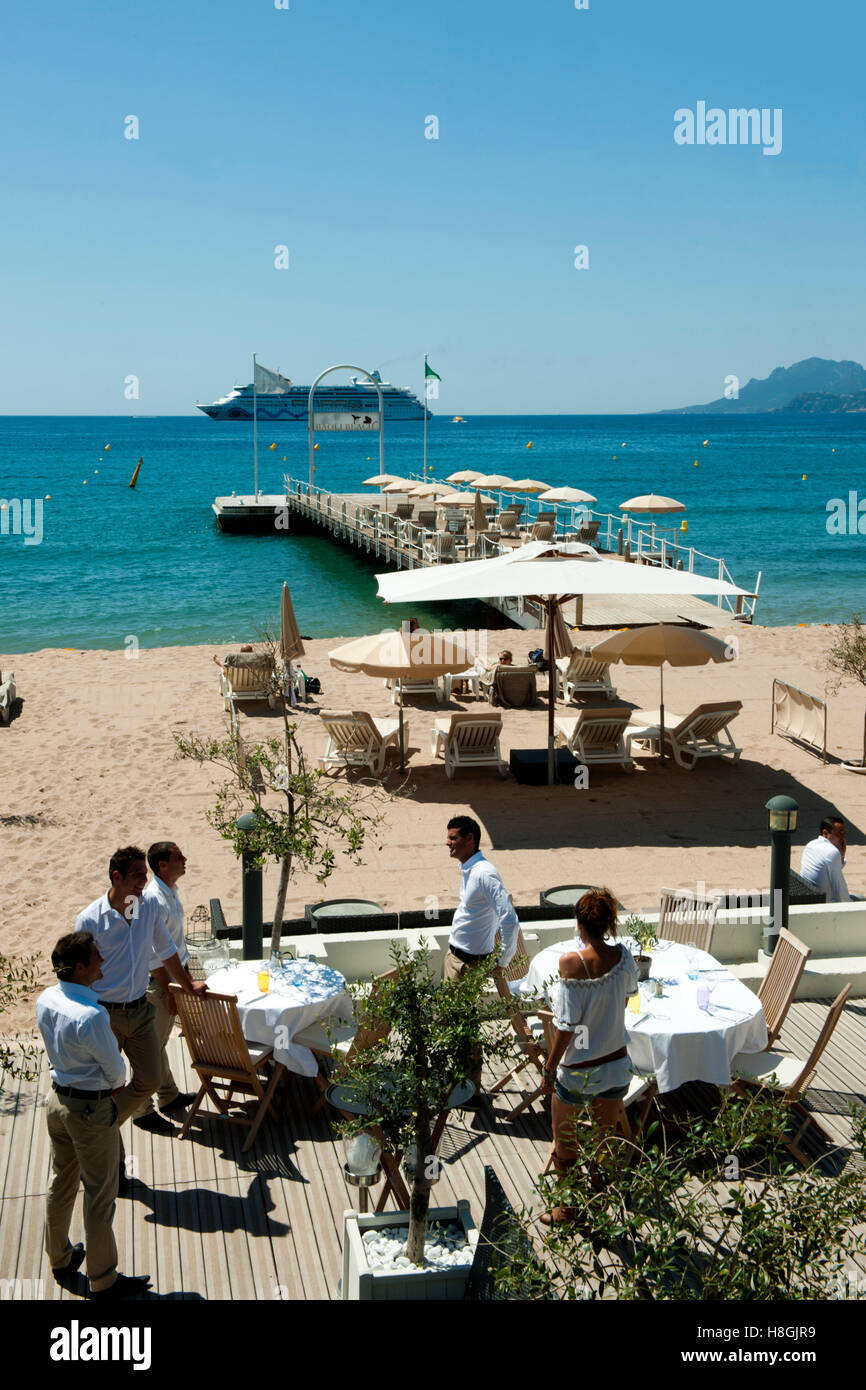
402,541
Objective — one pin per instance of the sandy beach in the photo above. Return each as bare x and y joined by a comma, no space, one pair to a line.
90,765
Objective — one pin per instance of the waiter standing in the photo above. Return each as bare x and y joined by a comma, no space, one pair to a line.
87,1072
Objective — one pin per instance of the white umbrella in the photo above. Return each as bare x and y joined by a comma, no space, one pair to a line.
659,644
403,655
567,494
464,499
494,480
529,485
466,475
381,478
550,574
651,502
428,490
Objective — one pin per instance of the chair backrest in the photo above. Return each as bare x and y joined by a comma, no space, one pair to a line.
779,985
833,1015
473,732
685,917
601,728
250,676
427,519
371,1028
708,719
582,667
352,730
212,1029
543,531
518,968
589,531
404,509
514,687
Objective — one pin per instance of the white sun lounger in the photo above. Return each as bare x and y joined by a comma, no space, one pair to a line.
596,736
356,739
468,740
692,736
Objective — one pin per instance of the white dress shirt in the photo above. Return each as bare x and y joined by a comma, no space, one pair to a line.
484,909
172,914
822,867
82,1050
126,947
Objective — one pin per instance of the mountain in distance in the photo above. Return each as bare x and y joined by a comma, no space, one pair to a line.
811,378
822,403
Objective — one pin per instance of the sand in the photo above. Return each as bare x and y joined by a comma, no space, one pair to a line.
90,765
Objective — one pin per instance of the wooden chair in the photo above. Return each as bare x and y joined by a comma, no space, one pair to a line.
786,1073
356,739
685,917
530,1041
596,736
781,980
692,736
224,1061
468,740
341,1041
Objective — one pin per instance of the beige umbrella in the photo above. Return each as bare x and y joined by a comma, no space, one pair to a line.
574,495
562,643
529,485
380,479
652,502
398,485
291,645
428,490
464,499
658,644
495,480
466,475
403,655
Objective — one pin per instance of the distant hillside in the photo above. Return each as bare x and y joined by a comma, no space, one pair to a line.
816,376
823,403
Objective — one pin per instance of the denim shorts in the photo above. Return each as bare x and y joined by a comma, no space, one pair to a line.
610,1081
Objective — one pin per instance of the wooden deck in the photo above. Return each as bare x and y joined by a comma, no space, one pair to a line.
208,1222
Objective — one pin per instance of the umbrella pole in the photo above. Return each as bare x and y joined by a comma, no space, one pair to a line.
402,745
662,713
551,689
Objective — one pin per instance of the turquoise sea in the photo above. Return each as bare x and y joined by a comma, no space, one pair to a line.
114,562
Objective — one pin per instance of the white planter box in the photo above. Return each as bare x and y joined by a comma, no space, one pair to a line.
361,1282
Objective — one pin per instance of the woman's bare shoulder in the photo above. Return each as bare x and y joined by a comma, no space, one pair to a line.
571,966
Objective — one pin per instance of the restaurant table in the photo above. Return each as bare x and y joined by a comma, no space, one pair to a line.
307,992
671,1036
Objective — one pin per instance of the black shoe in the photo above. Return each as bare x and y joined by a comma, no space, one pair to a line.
125,1185
63,1273
124,1286
155,1124
181,1102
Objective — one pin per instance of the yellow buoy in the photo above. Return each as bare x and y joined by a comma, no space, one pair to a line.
272,447
696,463
529,445
315,446
684,525
48,497
84,480
134,478
804,477
107,447
614,455
96,470
285,456
706,442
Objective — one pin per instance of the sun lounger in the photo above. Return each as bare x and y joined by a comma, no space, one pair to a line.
439,548
356,739
596,736
7,696
512,687
468,740
583,674
246,676
691,737
400,688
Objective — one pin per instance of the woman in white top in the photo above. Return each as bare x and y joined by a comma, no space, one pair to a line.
588,1060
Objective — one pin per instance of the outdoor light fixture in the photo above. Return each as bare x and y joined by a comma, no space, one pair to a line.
362,1168
782,812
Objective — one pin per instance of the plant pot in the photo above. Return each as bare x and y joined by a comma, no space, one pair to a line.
643,964
361,1282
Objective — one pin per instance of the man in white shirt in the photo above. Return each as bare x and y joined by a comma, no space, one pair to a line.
485,909
168,865
87,1073
128,931
823,860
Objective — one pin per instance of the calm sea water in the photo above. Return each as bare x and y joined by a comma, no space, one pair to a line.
150,562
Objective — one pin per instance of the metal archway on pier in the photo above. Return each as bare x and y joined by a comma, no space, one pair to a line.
347,367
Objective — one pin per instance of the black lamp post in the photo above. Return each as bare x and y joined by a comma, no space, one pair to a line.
783,822
251,917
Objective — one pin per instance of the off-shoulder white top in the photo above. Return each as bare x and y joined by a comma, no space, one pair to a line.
596,1009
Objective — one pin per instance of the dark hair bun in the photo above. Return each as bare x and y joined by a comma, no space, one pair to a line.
596,913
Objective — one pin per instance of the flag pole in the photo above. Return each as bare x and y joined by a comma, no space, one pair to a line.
424,403
255,437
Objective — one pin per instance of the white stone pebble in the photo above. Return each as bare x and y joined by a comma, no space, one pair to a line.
444,1248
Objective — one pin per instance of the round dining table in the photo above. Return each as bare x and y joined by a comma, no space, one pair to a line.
671,1035
304,992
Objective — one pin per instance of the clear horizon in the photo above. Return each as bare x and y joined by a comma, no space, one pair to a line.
597,226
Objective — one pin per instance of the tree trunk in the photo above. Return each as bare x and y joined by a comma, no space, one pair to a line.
419,1201
279,905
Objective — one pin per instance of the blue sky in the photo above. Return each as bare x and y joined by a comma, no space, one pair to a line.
305,127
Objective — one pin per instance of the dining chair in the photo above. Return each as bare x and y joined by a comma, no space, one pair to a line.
223,1060
686,917
342,1042
781,980
788,1074
529,1039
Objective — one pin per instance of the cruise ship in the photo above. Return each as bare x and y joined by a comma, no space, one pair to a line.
277,398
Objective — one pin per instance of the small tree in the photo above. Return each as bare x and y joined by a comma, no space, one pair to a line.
19,1058
437,1030
719,1213
846,660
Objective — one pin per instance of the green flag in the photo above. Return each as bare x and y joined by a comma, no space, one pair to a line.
428,371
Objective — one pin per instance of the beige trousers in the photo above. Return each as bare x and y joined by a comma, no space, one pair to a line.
85,1146
136,1036
163,1022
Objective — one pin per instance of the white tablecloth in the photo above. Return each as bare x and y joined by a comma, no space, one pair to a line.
671,1036
307,992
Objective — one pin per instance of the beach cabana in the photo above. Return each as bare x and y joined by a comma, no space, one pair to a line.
550,574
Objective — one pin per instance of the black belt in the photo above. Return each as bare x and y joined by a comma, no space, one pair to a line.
81,1095
598,1061
128,1006
465,956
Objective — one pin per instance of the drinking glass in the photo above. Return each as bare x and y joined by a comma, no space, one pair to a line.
634,1002
263,978
692,960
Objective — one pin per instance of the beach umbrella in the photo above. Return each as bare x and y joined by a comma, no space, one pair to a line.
658,645
466,475
567,494
291,645
403,655
494,480
428,490
529,485
562,643
465,499
651,502
398,485
550,574
380,479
